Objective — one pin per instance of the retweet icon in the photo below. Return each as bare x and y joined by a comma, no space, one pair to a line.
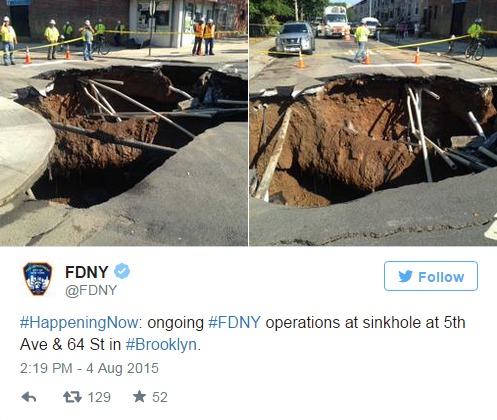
405,277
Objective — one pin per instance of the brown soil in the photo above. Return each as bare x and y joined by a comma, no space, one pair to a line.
350,139
85,171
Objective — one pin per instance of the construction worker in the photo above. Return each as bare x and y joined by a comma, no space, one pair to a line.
475,31
52,36
87,34
99,30
361,35
9,40
198,28
120,28
67,31
67,34
209,37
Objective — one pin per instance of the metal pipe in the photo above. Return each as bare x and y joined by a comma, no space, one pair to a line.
149,114
96,97
100,106
422,135
109,81
411,118
146,108
181,92
439,150
431,93
477,125
487,153
472,165
231,102
106,102
107,138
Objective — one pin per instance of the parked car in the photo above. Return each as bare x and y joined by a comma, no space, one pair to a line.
296,36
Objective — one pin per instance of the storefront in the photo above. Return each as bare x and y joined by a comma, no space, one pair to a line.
172,23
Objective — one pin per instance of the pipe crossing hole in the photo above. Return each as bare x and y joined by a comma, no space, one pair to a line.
85,171
355,136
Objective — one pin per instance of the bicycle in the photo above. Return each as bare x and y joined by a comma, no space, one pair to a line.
475,49
100,46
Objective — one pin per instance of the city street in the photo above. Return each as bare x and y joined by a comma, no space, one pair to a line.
197,197
453,211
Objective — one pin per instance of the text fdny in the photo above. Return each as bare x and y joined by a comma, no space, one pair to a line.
86,272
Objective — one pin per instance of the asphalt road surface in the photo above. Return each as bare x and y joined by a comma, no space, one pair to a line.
197,197
456,211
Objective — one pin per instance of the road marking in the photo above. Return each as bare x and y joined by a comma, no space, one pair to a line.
491,232
482,80
154,64
49,62
404,65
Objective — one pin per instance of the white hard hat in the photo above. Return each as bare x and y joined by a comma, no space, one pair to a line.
6,19
87,22
210,21
52,22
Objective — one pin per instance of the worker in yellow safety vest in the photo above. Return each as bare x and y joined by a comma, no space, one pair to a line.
120,28
99,30
51,36
475,31
67,31
209,37
361,36
198,28
9,40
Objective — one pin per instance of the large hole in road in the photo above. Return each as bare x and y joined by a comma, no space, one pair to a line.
84,171
353,137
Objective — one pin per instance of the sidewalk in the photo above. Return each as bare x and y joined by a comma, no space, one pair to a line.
225,50
257,60
25,144
489,61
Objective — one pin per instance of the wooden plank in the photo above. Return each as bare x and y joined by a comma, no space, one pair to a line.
273,160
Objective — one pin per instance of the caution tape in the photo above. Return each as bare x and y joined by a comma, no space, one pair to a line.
50,45
147,33
418,44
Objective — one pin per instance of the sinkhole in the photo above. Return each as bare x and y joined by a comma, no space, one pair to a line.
165,106
355,136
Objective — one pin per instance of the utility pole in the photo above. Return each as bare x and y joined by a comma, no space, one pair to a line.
370,1
151,12
296,11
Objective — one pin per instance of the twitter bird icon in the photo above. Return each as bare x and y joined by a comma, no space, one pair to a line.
404,277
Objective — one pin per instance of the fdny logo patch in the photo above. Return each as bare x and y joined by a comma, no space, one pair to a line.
37,277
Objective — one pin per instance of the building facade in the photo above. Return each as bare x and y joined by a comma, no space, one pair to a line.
436,17
172,22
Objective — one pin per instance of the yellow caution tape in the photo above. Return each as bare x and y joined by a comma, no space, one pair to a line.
166,33
418,44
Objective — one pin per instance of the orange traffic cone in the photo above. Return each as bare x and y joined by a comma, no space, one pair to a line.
347,35
417,57
28,57
300,63
367,60
68,53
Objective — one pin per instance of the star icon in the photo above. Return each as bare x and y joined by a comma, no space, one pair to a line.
139,396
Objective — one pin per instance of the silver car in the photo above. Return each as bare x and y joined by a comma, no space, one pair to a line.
296,36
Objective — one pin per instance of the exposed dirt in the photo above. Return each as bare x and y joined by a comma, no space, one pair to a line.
351,139
84,171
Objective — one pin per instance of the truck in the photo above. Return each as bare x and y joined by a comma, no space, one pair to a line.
335,22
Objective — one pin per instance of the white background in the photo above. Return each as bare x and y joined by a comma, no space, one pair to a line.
257,373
